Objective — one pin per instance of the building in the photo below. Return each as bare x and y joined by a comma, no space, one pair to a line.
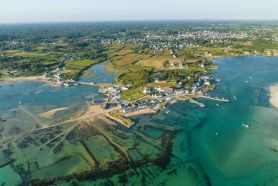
148,91
176,63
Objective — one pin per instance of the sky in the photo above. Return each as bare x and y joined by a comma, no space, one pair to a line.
25,11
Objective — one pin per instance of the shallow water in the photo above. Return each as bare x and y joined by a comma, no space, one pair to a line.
214,139
212,146
152,132
97,73
38,97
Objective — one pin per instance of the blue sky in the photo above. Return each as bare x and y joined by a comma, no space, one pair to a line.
12,11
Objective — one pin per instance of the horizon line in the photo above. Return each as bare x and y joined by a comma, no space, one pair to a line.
132,20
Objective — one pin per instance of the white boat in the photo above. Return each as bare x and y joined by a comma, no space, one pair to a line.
246,81
235,98
245,125
217,105
167,112
216,133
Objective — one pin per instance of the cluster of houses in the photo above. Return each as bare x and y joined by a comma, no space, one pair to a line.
130,107
271,53
156,97
159,40
114,99
66,57
56,79
113,92
176,63
164,92
158,92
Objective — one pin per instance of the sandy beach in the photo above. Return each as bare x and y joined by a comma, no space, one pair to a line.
140,112
274,95
51,113
94,111
29,78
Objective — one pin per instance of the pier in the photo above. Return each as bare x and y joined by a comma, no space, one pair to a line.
213,98
197,103
191,97
94,84
87,83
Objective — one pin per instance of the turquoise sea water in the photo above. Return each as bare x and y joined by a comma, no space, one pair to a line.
213,140
38,97
154,133
212,147
34,94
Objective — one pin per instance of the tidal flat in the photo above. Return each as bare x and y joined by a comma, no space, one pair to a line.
181,145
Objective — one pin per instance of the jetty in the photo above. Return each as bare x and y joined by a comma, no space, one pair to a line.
94,84
197,103
213,98
87,83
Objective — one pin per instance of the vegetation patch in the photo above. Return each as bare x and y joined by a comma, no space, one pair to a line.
121,119
133,94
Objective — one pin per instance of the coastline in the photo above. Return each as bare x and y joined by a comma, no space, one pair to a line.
27,78
140,112
49,114
273,89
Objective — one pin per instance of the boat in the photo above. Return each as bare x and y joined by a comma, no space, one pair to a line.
217,105
246,81
245,125
20,102
167,112
216,134
235,98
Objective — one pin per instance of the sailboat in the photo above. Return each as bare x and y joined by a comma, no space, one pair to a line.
245,125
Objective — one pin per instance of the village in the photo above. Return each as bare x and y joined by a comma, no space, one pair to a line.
157,98
55,78
152,98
